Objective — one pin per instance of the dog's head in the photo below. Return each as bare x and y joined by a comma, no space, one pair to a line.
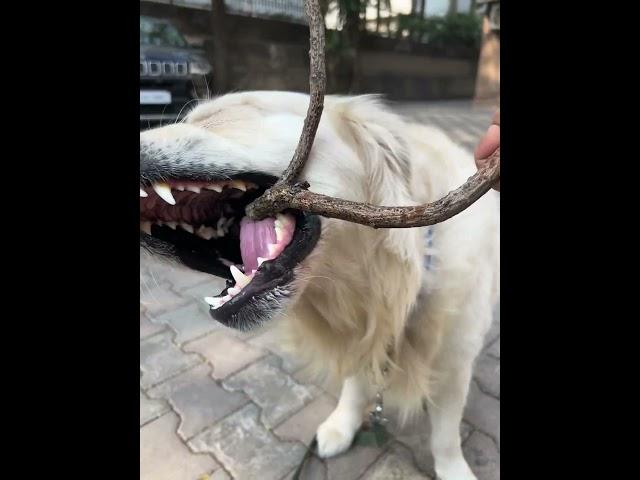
197,177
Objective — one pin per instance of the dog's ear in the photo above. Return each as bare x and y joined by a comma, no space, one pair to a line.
386,155
396,274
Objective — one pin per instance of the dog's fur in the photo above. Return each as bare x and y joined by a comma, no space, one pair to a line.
365,300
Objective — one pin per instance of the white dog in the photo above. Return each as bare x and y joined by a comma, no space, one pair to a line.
405,310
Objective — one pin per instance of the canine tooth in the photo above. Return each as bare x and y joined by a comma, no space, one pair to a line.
206,232
278,232
216,187
172,225
143,193
241,279
193,188
164,191
261,261
282,219
233,291
146,227
272,249
215,302
180,188
187,227
239,184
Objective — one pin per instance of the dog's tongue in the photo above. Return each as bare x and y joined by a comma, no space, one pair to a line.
255,238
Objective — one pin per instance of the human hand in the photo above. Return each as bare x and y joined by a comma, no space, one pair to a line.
489,143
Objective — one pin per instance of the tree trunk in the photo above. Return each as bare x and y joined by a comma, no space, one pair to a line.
219,35
378,16
423,8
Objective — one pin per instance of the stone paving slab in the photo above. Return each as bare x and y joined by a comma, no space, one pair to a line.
301,426
487,374
189,322
483,456
198,400
148,328
163,455
483,412
352,464
151,409
272,389
396,464
247,449
160,359
216,404
226,353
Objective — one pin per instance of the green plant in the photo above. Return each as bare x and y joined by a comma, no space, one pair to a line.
457,29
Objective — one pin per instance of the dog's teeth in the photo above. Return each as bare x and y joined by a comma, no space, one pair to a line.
233,291
241,279
222,227
193,188
239,184
216,187
283,219
261,261
164,191
146,227
143,193
180,188
206,232
172,225
215,302
279,231
271,248
187,227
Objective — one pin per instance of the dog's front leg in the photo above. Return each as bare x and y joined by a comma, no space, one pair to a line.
336,433
445,413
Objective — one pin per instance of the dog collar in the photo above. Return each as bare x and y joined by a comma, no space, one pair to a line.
429,244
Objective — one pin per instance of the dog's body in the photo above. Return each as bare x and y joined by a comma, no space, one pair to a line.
368,309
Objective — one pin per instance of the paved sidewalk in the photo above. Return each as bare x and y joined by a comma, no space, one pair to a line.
217,404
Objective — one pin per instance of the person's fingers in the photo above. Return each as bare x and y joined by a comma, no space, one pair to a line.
489,143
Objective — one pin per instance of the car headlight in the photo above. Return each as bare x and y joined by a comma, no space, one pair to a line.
199,66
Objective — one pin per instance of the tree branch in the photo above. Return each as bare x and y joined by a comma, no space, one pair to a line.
287,194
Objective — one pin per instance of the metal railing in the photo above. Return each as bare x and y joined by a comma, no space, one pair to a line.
292,10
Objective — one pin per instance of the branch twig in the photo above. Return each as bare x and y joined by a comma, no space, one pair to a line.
287,194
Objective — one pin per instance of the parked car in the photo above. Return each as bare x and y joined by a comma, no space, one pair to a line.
172,74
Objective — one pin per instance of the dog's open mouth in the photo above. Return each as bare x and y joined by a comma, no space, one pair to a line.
204,225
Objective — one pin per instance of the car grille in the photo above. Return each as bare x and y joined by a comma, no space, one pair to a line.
153,68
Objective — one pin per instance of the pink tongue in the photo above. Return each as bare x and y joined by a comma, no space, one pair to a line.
254,240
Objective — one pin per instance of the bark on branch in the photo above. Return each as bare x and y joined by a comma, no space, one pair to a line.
288,194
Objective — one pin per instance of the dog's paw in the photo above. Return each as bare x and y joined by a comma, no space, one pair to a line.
334,437
456,470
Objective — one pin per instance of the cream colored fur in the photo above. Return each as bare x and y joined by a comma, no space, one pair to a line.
364,299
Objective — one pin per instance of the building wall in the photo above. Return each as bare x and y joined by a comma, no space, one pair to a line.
273,55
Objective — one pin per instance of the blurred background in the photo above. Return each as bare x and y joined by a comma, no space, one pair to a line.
409,50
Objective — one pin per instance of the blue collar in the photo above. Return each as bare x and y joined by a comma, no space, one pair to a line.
429,244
